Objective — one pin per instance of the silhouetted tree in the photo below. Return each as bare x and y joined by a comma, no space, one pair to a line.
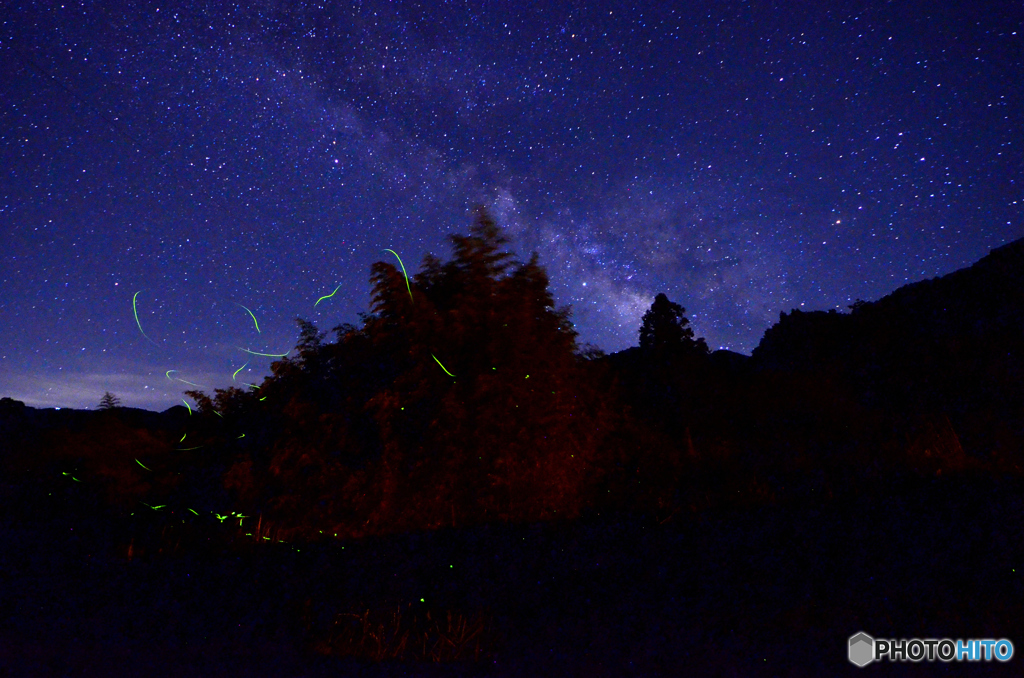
461,398
857,305
485,416
109,401
665,328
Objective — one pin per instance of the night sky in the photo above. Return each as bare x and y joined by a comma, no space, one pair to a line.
208,160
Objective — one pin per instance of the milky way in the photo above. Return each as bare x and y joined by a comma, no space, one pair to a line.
228,166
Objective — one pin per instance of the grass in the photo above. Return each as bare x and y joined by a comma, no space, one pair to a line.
401,635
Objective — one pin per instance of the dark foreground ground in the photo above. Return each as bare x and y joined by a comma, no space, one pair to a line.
775,592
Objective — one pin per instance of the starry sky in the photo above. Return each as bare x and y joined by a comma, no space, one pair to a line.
215,168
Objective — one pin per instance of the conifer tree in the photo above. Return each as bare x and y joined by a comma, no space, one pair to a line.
109,401
665,328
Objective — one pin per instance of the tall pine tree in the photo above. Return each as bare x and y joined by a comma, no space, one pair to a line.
665,329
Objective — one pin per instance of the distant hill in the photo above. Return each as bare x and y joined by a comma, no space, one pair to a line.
16,414
952,344
29,435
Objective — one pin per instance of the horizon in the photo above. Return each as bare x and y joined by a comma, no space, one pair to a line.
182,185
83,406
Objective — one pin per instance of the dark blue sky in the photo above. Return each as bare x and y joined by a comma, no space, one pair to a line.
744,158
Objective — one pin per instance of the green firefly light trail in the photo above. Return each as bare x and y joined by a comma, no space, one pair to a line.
135,310
250,315
238,370
168,375
141,464
327,296
266,355
442,366
406,276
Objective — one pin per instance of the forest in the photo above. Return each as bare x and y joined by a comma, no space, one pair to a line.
462,439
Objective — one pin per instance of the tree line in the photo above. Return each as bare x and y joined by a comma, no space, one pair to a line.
463,396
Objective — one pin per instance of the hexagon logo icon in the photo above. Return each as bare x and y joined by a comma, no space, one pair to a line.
862,649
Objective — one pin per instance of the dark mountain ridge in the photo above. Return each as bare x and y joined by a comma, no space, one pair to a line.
940,354
980,306
951,346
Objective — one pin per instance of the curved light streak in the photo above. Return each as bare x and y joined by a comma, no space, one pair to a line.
442,366
135,310
407,286
168,375
328,296
250,315
267,355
